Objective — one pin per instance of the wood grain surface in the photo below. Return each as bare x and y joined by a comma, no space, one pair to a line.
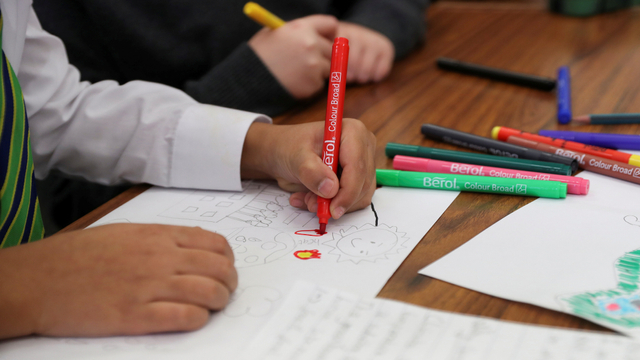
603,53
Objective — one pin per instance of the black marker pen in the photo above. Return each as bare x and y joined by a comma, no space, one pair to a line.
533,81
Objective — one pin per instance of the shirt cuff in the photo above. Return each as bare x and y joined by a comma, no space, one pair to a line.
208,147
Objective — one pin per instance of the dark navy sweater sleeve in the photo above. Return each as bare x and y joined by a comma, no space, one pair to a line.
402,21
177,43
241,81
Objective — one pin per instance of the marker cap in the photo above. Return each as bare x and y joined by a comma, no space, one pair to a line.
582,188
495,131
341,41
387,177
393,149
410,163
564,95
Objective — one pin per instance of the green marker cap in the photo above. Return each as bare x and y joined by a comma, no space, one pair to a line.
484,184
387,177
393,149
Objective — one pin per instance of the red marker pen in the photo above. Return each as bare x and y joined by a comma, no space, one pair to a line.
333,119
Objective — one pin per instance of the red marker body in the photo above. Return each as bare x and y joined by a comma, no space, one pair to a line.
333,119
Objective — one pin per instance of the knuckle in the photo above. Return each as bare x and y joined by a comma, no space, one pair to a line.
216,239
210,292
219,297
198,231
310,43
156,232
234,280
295,24
308,197
305,169
372,139
313,63
358,125
188,318
226,268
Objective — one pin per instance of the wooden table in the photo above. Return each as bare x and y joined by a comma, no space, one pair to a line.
603,53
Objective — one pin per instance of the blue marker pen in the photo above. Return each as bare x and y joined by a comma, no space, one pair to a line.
564,95
611,141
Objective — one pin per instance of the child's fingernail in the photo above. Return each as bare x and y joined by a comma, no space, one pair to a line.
296,202
325,187
338,212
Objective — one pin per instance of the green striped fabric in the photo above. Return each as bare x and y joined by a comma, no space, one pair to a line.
20,220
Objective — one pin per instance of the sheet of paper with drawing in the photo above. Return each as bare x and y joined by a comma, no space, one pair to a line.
580,255
354,255
321,323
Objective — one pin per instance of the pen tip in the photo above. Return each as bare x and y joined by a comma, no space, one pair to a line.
582,119
323,229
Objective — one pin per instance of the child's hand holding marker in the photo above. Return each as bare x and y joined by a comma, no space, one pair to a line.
313,179
291,154
305,158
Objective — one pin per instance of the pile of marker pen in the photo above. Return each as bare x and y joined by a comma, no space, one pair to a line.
521,155
526,164
516,170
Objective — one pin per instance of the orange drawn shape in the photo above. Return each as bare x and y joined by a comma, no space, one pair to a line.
309,232
307,254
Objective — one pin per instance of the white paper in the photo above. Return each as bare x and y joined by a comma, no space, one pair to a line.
574,255
259,224
322,323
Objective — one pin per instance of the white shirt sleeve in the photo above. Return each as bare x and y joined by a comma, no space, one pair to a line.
136,132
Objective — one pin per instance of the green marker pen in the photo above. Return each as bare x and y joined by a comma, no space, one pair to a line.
492,185
466,157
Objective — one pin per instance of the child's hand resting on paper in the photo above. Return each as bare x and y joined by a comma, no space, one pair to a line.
371,54
298,54
119,279
291,155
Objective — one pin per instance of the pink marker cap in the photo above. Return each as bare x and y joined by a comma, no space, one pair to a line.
581,188
409,163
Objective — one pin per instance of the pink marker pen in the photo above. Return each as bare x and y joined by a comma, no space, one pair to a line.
575,185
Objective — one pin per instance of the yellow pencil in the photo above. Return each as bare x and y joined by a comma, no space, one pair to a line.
262,16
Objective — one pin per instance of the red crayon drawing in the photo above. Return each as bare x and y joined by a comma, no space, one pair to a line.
307,254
